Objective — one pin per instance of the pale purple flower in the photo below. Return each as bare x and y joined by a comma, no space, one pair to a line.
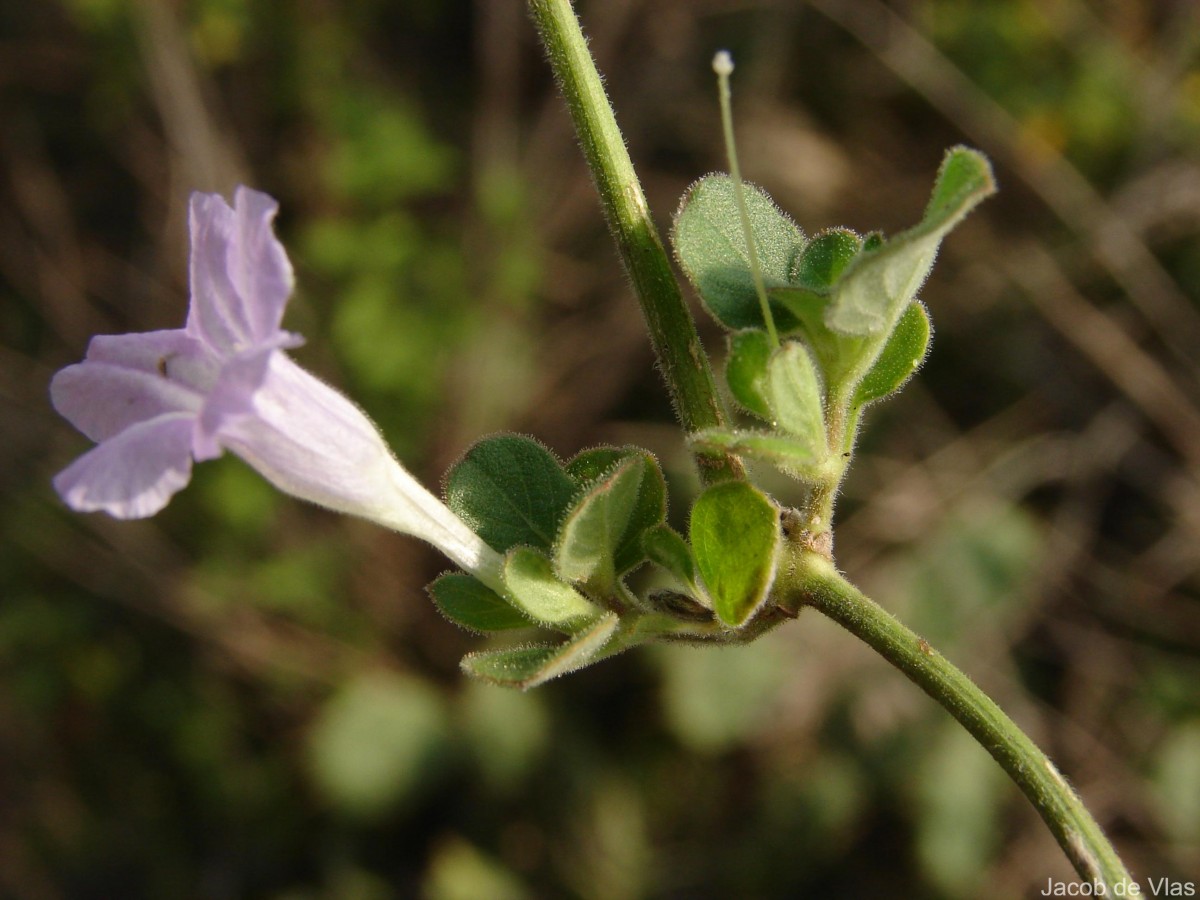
158,400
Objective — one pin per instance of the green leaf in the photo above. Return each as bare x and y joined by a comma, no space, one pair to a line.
825,258
794,395
666,547
711,249
651,505
537,591
468,602
526,667
879,284
510,490
735,537
901,356
746,369
592,530
785,452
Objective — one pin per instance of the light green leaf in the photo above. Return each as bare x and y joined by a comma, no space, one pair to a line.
592,530
468,602
711,248
901,356
746,369
526,667
666,547
735,537
879,284
510,490
785,452
536,590
651,505
794,395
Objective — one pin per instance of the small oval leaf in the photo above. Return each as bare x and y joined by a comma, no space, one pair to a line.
470,603
665,547
825,258
901,356
536,590
510,490
735,538
650,508
794,393
591,532
526,667
711,248
746,369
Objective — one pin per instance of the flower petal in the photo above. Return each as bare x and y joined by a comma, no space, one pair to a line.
134,474
231,398
301,434
240,274
103,400
258,264
310,441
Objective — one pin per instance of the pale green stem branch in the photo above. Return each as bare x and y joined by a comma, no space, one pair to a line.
815,582
673,334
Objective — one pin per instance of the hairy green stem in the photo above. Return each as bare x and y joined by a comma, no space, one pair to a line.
673,334
814,581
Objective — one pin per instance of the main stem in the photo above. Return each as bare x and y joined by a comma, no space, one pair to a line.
673,334
815,582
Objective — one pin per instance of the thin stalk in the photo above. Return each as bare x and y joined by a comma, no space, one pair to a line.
682,359
723,66
815,582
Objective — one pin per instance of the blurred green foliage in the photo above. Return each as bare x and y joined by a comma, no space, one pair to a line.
247,697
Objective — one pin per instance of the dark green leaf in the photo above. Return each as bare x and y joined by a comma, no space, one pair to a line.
746,369
901,356
735,538
711,248
825,258
510,490
537,591
526,667
468,602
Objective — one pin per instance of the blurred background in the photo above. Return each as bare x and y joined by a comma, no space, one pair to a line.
249,697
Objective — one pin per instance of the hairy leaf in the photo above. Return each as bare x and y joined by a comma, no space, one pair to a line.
735,538
468,602
794,395
879,284
592,530
510,490
711,248
650,507
901,356
526,667
785,452
537,591
746,369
